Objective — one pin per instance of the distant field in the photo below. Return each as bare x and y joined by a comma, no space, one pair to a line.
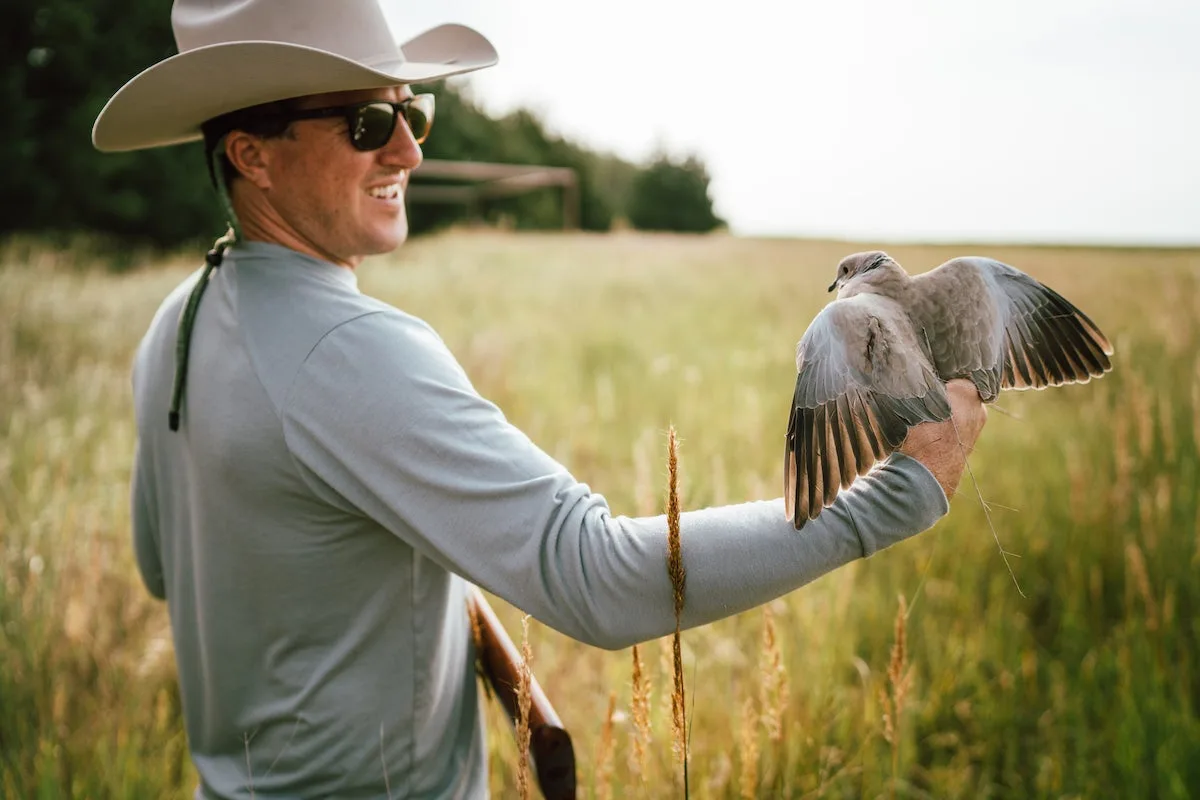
1087,687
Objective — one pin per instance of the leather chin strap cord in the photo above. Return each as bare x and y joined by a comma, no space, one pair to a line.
212,260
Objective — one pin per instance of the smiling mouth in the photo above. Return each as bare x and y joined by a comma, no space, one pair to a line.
389,192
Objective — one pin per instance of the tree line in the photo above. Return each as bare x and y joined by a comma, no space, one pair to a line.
60,61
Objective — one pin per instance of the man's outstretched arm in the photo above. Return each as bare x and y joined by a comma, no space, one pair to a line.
421,453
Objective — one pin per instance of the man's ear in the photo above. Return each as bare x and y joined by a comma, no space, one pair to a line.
250,156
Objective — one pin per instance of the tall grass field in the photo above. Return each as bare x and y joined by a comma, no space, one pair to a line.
921,672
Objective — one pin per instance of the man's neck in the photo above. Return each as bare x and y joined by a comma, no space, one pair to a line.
260,222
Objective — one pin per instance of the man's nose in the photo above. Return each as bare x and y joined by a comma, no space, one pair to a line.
402,149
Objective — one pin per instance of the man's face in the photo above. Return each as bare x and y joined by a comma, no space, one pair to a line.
343,202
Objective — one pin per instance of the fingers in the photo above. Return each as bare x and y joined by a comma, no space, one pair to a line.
970,414
943,446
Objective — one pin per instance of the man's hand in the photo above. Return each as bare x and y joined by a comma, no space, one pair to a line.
943,447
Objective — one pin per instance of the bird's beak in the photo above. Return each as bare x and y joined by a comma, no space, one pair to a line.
833,286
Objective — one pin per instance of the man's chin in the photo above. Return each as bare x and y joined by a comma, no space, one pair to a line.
388,240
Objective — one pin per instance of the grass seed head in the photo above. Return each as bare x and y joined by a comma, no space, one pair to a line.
524,702
640,707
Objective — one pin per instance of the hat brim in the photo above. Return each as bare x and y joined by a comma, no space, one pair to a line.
167,103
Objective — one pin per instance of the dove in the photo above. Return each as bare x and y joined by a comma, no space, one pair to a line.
874,362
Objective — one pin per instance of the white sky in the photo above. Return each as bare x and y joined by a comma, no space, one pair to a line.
1037,120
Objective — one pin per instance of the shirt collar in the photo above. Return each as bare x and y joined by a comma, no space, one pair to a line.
275,254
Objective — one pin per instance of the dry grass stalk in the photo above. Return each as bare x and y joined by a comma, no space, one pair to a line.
748,747
893,695
1162,500
679,586
1141,580
773,685
524,701
1122,490
1166,425
1146,522
640,708
666,658
1077,474
675,557
1139,400
604,752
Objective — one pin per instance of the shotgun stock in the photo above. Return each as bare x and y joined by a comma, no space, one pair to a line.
550,746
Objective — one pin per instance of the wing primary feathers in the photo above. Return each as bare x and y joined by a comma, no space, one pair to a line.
803,465
829,465
847,455
1092,352
1091,330
864,440
1051,346
1008,376
1072,347
816,479
853,439
1025,344
1038,345
869,431
1016,355
833,445
1050,342
821,436
789,469
1087,351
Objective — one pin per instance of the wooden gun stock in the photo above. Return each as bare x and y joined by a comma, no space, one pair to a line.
549,743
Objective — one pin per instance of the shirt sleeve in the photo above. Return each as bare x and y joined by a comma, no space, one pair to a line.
145,528
382,414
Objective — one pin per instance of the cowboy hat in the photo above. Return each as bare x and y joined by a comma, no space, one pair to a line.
241,53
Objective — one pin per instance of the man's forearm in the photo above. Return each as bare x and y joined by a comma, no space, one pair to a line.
740,556
899,499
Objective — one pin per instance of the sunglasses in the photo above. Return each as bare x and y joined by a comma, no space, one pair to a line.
370,125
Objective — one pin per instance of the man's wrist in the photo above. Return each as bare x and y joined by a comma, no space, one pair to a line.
934,502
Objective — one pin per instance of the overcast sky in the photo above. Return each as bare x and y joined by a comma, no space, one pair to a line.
1038,120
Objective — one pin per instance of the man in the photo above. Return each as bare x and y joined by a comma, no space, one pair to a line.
312,506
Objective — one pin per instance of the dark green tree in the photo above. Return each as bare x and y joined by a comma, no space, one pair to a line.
60,61
673,195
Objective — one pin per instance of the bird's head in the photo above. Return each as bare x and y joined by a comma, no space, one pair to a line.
872,271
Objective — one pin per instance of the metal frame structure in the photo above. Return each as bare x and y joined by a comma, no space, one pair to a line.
470,183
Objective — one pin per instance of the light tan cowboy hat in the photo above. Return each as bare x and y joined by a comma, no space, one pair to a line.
240,53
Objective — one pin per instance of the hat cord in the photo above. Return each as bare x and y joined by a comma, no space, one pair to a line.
187,321
212,260
235,227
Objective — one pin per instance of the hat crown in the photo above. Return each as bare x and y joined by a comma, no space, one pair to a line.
356,29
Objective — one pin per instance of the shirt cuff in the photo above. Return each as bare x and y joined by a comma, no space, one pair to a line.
912,502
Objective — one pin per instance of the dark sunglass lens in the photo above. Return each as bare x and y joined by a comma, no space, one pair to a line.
419,115
372,126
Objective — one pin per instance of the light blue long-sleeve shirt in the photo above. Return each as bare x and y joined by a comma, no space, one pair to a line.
334,481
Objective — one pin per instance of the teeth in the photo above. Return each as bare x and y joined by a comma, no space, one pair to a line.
389,192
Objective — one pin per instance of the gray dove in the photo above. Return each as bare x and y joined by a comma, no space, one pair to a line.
874,362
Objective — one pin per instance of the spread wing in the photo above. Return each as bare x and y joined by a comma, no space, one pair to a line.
1035,338
862,381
